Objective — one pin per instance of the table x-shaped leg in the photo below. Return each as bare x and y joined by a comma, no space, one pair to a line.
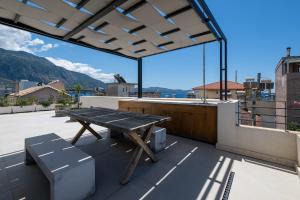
85,126
141,146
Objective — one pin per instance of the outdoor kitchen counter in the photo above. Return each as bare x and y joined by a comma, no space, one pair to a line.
189,118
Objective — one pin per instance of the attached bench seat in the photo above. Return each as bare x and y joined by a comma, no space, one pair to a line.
70,171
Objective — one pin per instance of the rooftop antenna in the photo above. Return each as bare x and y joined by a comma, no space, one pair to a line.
236,76
204,92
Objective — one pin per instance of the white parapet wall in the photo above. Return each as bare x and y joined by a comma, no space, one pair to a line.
101,101
298,148
113,102
5,110
298,157
273,145
21,109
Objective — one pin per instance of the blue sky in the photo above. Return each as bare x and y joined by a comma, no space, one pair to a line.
258,33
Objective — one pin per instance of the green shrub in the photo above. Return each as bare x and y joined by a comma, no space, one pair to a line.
293,126
24,102
65,101
45,104
3,102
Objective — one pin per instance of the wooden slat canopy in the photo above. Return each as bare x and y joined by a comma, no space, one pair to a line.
130,28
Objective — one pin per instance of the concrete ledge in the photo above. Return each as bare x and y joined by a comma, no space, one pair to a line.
71,172
297,170
298,152
24,109
261,156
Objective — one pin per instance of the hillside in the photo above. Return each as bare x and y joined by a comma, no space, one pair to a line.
17,65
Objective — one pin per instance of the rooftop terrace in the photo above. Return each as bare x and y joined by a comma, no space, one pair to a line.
187,169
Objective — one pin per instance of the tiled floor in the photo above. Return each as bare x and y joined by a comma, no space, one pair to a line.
186,169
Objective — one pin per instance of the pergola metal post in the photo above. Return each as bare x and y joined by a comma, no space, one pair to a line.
211,19
140,77
225,67
221,70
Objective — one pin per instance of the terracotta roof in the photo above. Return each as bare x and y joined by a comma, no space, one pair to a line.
51,82
32,90
216,86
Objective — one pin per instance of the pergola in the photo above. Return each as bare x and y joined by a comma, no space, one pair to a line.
133,29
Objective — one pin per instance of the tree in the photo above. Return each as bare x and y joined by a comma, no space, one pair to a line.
64,98
78,88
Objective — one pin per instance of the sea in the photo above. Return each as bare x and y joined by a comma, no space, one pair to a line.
178,94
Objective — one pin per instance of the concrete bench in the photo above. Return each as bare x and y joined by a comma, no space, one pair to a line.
71,172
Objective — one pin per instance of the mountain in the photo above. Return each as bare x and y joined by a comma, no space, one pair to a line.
17,65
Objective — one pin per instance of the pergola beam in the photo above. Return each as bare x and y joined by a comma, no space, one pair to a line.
60,23
179,11
134,7
101,13
81,4
17,18
180,48
204,18
212,18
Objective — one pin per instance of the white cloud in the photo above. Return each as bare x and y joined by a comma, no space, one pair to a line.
83,68
18,40
35,42
46,47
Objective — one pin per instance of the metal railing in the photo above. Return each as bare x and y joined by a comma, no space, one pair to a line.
273,116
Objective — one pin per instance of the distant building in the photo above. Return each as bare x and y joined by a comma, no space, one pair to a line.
120,89
266,85
57,84
287,89
259,89
38,93
250,83
24,84
212,90
8,86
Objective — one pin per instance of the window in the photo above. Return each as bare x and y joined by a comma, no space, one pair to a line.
297,68
294,68
284,69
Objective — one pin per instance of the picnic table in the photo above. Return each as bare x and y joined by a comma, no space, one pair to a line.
128,123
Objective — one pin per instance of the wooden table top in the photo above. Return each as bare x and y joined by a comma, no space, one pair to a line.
115,119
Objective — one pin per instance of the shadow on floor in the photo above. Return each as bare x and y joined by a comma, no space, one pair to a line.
186,169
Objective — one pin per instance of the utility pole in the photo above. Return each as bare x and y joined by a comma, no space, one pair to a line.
236,74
